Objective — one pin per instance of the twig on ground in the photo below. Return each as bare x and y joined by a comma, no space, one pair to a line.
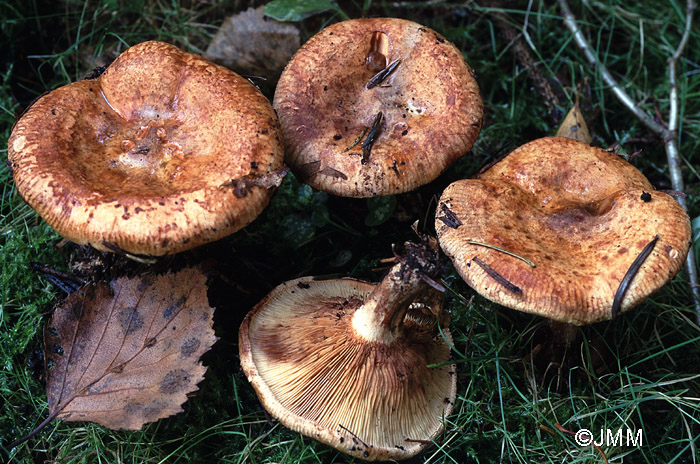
668,133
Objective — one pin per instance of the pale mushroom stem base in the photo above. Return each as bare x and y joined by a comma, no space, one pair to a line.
380,318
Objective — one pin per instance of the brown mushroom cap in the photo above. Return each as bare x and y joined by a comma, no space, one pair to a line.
141,159
430,103
319,363
579,214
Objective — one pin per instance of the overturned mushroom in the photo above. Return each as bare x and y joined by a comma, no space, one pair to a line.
376,107
599,239
361,367
144,159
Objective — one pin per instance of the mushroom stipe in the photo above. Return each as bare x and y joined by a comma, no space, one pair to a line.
332,359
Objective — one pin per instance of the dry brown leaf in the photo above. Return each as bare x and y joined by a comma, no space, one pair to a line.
128,353
574,126
252,44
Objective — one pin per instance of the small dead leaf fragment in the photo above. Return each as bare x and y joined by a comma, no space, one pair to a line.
329,171
249,43
243,185
574,126
129,350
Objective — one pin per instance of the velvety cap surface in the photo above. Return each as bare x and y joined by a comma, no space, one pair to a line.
430,105
580,214
141,159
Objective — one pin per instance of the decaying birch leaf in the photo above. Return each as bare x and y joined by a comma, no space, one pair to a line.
574,126
251,43
128,353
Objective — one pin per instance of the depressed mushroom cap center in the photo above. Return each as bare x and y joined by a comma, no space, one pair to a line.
337,84
143,158
580,214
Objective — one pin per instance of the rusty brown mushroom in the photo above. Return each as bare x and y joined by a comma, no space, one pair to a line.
376,107
163,152
598,237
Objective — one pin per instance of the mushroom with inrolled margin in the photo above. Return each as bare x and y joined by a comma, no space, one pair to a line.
598,237
376,106
363,368
163,152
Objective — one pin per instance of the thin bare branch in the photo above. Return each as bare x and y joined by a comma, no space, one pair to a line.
671,145
669,134
570,21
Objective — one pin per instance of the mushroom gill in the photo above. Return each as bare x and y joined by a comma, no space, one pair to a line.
358,366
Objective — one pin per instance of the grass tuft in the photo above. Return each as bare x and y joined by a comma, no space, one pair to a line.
638,372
